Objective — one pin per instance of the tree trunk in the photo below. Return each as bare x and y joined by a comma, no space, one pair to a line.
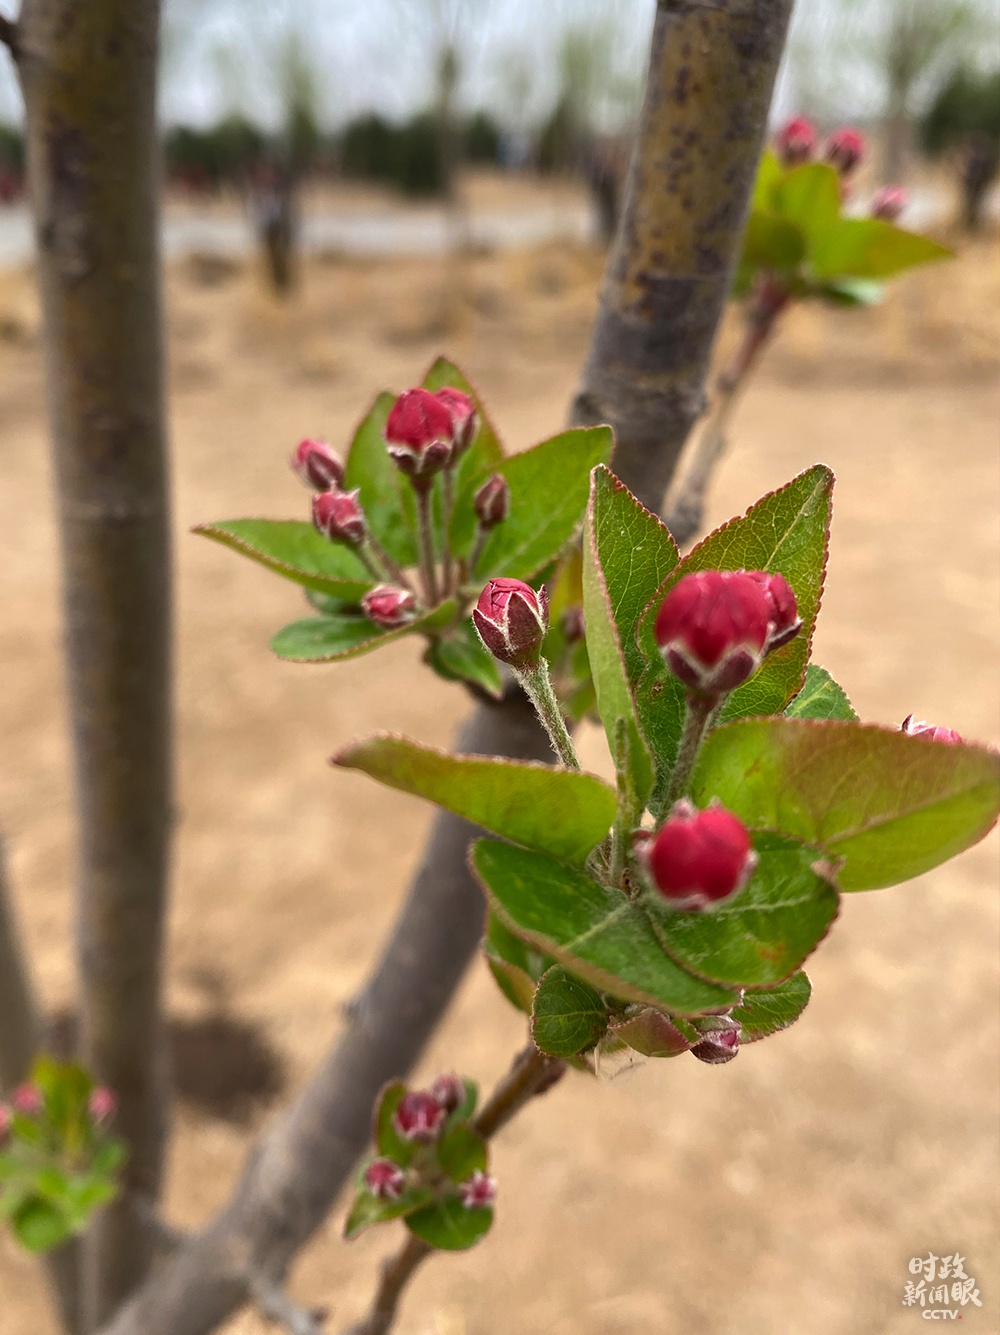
686,232
88,74
711,74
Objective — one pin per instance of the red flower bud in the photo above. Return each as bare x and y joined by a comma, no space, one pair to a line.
512,620
449,1091
721,1041
420,434
478,1190
492,501
463,416
696,859
917,728
27,1100
844,150
317,465
712,629
102,1104
338,516
389,606
385,1179
785,620
6,1118
419,1116
796,141
889,202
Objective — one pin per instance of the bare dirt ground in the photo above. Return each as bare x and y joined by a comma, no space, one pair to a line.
781,1195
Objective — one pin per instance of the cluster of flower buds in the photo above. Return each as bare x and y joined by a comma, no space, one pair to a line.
720,1040
696,859
798,141
716,627
916,728
512,621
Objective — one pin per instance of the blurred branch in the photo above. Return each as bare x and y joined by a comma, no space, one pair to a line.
88,75
8,34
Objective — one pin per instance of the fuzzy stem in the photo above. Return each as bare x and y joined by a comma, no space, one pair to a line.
447,504
537,686
698,712
381,564
427,572
531,1073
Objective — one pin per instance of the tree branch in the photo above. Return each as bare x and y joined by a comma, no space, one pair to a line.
88,75
531,1073
8,34
711,74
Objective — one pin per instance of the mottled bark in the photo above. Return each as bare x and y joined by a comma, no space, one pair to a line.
88,74
711,74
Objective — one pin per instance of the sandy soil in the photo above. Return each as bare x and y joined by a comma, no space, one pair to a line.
779,1195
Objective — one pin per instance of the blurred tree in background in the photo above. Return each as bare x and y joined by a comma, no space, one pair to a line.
964,121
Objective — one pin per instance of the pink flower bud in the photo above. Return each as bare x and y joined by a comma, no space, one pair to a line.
317,465
420,434
785,620
796,141
385,1179
6,1118
721,1041
449,1091
712,629
512,620
492,501
889,202
419,1116
389,606
103,1103
844,150
463,416
27,1100
573,626
917,728
697,859
478,1190
338,516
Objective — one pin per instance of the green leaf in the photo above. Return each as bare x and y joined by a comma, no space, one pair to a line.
387,1139
39,1225
761,1014
557,811
820,697
762,935
461,1151
771,243
461,656
449,1226
888,804
770,174
873,248
382,485
549,486
849,292
514,965
656,1035
368,1209
295,550
785,532
567,1016
594,932
627,553
809,197
331,639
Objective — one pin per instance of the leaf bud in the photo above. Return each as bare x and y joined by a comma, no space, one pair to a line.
478,1191
796,141
419,1116
697,859
420,435
917,728
889,201
317,465
785,621
338,516
845,149
512,620
389,606
463,417
712,629
492,501
385,1179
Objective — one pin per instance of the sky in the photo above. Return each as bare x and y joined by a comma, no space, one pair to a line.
225,55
